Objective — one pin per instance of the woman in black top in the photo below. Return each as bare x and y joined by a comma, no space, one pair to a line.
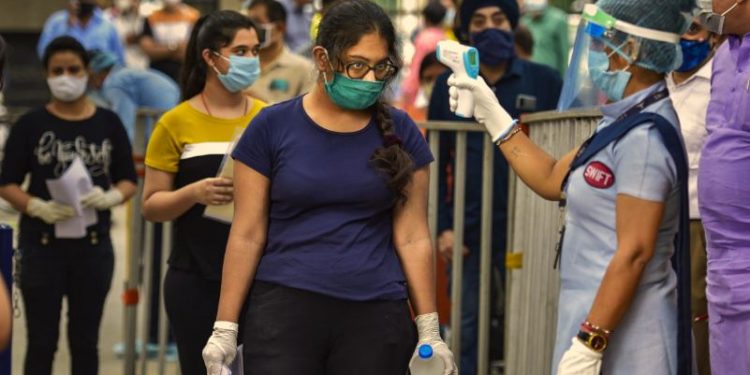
44,143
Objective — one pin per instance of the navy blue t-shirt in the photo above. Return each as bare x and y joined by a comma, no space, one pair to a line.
331,214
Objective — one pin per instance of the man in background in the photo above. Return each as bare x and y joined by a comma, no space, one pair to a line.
126,17
84,21
165,36
549,29
283,73
521,87
690,89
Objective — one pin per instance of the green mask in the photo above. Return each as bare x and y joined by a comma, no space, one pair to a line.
350,93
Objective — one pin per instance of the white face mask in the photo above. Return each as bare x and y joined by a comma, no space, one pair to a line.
67,88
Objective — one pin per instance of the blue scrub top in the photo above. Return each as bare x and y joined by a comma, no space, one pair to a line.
639,165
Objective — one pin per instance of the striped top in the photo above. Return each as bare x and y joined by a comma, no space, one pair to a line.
192,145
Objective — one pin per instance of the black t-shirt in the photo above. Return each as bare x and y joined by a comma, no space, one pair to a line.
44,145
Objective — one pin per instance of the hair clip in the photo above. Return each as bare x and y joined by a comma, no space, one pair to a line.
391,140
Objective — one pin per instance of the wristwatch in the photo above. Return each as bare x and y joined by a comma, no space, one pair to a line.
594,340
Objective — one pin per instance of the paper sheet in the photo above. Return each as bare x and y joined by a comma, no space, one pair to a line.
68,189
225,212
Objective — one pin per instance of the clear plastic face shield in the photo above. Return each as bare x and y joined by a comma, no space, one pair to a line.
600,32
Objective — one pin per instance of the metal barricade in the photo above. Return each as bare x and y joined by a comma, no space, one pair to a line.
139,263
434,129
533,284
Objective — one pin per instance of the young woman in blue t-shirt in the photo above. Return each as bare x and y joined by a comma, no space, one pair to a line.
330,233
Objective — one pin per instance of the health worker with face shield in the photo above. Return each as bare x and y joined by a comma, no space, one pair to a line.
624,290
724,193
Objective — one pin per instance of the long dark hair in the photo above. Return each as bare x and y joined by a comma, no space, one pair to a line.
213,31
342,26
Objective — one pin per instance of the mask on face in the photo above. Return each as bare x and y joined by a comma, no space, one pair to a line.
242,73
85,9
265,35
353,94
67,88
714,22
694,52
611,83
495,46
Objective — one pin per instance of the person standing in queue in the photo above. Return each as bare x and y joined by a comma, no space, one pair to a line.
623,309
330,234
44,143
183,157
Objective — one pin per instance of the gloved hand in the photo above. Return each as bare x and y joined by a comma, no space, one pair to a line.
428,329
49,211
221,347
101,200
487,110
579,359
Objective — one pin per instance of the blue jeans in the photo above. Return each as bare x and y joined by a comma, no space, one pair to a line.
470,307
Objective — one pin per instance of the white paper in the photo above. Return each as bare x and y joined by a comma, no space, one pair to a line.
68,189
225,212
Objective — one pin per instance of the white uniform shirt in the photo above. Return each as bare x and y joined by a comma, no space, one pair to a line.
690,100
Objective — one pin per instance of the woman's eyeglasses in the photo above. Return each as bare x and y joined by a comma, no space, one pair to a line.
358,70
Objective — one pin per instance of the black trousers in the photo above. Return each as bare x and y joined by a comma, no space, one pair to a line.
292,332
79,270
191,302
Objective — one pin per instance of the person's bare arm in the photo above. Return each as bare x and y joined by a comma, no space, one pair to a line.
162,203
127,189
637,224
156,51
536,168
16,196
247,239
411,237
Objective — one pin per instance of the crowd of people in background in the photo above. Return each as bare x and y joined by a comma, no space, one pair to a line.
293,71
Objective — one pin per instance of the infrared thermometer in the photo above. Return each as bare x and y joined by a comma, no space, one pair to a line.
464,62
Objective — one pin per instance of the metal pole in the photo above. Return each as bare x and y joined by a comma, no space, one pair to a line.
434,138
459,189
148,260
166,246
485,270
134,255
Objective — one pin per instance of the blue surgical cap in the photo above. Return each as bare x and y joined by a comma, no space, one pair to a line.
102,60
673,16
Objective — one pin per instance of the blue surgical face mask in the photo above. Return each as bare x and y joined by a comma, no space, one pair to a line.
694,53
495,46
611,83
243,72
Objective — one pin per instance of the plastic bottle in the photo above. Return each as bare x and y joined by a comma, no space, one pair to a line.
424,363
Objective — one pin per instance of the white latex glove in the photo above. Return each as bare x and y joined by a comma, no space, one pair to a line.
100,199
428,329
221,347
579,359
487,110
49,211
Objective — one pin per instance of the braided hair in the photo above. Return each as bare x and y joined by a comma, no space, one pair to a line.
342,26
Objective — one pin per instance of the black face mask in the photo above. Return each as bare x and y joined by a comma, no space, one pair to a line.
86,9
